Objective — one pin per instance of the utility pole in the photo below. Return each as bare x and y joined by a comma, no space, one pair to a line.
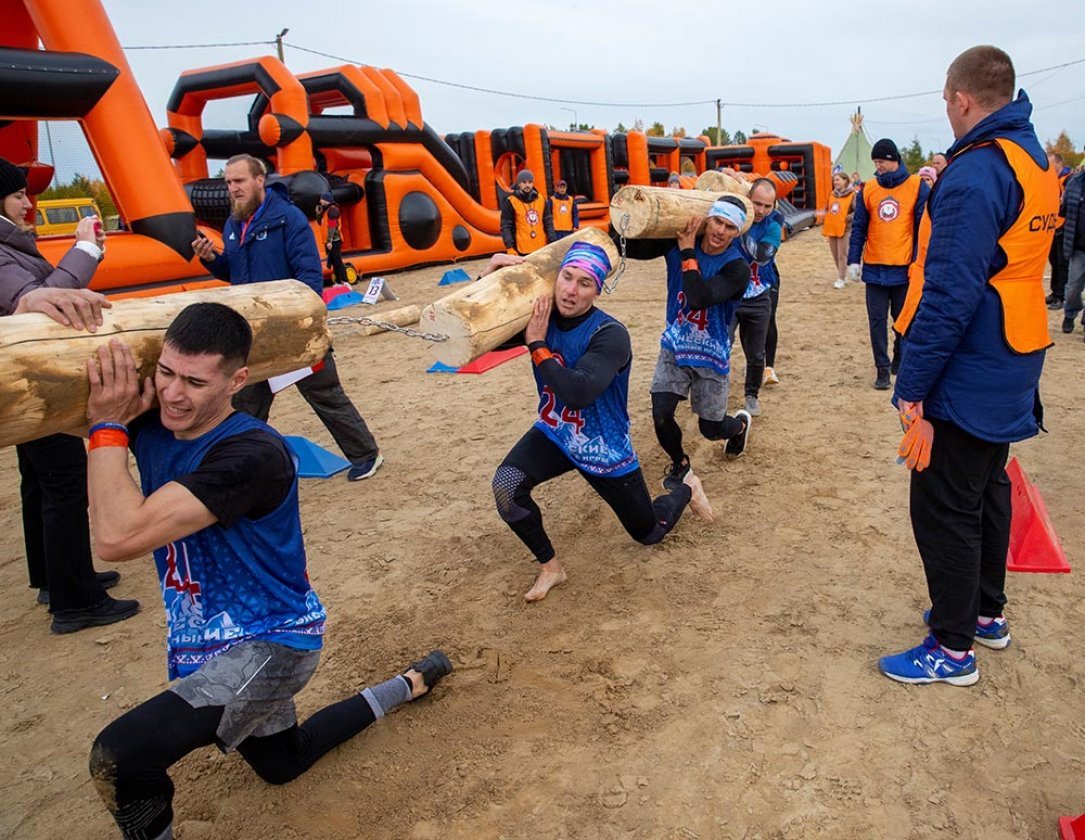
279,44
719,121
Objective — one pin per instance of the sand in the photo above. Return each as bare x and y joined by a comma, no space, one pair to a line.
720,685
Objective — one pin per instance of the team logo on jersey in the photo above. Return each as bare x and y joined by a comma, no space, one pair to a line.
834,208
888,209
532,216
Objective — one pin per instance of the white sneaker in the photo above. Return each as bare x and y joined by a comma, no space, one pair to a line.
840,284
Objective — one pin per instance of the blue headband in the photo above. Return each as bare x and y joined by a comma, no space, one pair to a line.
589,258
729,211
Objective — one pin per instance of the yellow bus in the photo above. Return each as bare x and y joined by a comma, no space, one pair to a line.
59,216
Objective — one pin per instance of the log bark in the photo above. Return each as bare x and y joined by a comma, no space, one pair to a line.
661,212
481,316
43,365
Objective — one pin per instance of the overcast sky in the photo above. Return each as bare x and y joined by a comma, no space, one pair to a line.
641,51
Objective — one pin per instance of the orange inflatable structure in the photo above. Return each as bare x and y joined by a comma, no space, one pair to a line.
407,195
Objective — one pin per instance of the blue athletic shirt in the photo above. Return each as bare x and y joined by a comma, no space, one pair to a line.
222,586
596,438
699,337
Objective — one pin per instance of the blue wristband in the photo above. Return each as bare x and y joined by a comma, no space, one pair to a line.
97,427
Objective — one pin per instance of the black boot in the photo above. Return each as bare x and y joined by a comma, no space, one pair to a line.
882,382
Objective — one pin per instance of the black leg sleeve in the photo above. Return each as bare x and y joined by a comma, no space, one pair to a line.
282,757
645,521
668,432
130,757
533,460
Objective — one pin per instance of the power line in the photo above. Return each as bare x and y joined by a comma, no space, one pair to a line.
199,46
514,95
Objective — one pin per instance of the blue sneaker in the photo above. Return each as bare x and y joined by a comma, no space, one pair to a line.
995,635
928,663
365,469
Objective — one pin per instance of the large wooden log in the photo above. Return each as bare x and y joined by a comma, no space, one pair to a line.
43,365
479,317
720,180
661,212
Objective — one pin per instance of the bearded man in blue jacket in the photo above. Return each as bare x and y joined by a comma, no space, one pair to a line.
268,238
975,326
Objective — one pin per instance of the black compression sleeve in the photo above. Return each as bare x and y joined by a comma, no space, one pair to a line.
729,284
247,475
609,350
647,249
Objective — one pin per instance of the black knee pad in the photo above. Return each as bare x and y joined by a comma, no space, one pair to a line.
712,429
506,484
664,405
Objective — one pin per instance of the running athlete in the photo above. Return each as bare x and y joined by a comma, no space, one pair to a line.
581,359
219,509
705,281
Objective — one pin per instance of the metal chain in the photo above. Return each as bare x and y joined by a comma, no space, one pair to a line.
338,320
623,225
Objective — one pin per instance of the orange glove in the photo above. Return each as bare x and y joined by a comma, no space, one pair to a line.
915,447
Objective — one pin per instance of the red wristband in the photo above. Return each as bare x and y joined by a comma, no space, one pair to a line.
108,437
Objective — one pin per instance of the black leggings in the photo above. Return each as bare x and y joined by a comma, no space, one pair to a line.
130,758
669,433
535,459
772,336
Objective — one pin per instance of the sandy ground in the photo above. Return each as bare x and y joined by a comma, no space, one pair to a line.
722,684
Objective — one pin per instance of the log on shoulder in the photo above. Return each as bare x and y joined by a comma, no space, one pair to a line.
660,212
43,365
480,316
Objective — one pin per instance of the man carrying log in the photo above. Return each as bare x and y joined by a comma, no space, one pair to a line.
218,507
705,281
581,360
268,238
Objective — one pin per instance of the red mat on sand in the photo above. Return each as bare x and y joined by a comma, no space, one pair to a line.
492,359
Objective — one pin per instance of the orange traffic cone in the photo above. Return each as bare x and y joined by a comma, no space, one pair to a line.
1071,828
1034,547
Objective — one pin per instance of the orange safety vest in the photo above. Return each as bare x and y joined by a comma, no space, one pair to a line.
1020,285
530,233
836,214
889,236
562,211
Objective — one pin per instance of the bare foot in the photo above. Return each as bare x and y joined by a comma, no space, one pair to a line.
551,574
698,501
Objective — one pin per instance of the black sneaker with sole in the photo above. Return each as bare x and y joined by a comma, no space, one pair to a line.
107,611
1067,325
736,445
106,580
882,382
675,474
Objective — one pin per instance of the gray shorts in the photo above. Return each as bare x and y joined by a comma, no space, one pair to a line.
706,389
255,683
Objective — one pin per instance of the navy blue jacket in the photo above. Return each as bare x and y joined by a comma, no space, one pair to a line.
882,275
279,244
956,359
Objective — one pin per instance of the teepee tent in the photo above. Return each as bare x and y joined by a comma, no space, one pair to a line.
855,156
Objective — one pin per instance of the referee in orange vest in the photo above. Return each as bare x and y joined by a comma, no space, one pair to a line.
887,213
564,211
526,222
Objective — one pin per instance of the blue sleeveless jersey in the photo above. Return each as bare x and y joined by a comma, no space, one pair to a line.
698,337
596,438
222,586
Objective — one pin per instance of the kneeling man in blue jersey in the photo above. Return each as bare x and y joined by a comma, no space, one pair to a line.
705,283
219,509
581,359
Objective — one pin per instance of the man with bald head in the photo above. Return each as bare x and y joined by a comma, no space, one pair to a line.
975,329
